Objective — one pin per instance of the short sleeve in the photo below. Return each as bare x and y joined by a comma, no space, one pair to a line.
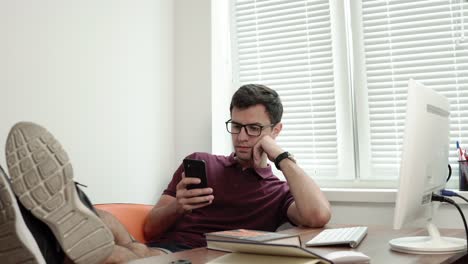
287,201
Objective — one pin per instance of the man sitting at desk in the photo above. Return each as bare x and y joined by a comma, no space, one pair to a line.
55,222
242,190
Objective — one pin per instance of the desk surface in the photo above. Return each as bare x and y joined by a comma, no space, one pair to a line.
375,245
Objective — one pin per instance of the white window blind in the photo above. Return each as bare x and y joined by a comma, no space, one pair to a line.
287,45
422,40
296,46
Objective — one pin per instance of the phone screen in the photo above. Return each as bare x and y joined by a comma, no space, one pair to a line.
197,169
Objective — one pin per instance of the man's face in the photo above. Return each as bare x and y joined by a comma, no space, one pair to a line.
242,142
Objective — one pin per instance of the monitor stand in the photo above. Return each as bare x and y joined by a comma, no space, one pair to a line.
432,244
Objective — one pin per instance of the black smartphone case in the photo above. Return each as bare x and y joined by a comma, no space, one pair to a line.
197,169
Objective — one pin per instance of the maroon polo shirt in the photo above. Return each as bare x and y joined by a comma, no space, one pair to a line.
249,198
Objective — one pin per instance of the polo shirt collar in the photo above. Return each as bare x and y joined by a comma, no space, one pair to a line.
262,172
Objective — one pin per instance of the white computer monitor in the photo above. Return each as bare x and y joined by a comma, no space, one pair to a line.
423,171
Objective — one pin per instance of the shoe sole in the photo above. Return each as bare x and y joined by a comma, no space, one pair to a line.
17,245
42,178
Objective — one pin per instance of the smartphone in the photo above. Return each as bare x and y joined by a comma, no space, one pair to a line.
197,169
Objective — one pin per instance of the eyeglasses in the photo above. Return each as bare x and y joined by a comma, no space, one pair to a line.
251,129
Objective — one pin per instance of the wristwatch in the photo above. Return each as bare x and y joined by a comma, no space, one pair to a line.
282,156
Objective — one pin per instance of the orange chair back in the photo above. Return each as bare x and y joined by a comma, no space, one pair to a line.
132,216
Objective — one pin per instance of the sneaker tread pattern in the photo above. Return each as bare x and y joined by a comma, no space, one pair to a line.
42,178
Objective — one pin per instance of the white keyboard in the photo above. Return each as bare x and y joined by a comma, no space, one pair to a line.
338,236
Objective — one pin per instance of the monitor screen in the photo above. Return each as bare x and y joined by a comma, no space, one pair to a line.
423,170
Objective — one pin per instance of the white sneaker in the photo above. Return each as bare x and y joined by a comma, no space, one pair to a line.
42,179
17,244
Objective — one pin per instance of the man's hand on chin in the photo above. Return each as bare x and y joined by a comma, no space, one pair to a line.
265,149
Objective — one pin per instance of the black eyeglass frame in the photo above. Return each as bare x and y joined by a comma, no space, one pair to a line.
246,129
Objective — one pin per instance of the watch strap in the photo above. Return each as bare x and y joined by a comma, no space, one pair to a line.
281,157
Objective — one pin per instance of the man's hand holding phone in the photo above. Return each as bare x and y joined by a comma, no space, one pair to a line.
192,190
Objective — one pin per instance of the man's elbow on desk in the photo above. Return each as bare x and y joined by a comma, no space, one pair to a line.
319,219
312,218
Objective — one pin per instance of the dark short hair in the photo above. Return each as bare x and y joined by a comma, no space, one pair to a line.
252,94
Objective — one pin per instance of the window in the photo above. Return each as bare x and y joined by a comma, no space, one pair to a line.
341,69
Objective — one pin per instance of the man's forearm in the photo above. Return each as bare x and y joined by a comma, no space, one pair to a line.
160,219
312,206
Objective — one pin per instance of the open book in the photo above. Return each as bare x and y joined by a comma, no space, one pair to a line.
253,236
258,252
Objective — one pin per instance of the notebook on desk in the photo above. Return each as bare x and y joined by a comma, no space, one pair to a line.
264,253
236,258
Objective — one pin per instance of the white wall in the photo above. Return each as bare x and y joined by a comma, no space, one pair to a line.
377,213
222,83
99,75
192,29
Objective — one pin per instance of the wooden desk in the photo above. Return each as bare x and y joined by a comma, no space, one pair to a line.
375,245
